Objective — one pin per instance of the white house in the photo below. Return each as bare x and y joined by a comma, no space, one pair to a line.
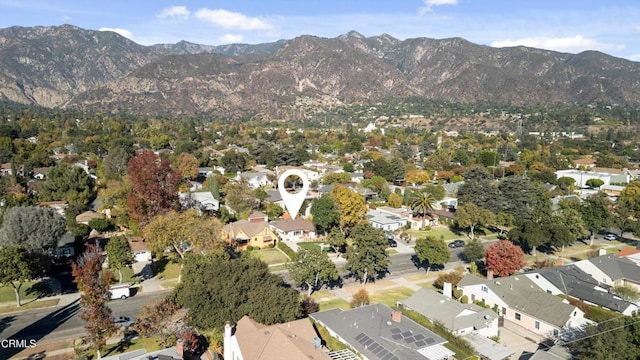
294,230
201,201
607,176
254,179
141,252
385,221
612,270
520,301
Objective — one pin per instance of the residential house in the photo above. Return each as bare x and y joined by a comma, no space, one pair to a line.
570,280
172,353
457,317
612,270
520,301
612,191
141,252
40,172
378,332
250,340
7,169
244,233
356,177
65,247
58,206
385,221
295,230
254,180
258,216
87,216
584,163
202,201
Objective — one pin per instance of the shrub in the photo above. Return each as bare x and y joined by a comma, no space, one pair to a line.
464,299
309,306
250,248
452,277
360,298
457,293
101,224
288,251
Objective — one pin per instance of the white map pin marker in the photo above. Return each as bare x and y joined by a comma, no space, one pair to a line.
293,202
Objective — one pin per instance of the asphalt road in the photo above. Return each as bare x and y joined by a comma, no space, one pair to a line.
62,322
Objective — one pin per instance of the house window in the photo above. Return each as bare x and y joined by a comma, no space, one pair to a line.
548,291
537,325
473,297
518,316
555,332
504,311
485,289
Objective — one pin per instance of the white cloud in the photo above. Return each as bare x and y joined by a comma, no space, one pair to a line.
230,38
570,44
126,33
232,20
174,12
429,4
635,57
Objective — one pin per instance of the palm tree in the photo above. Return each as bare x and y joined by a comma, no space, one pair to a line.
422,203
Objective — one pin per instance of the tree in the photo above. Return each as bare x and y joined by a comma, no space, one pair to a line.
367,257
617,338
627,292
474,251
17,266
155,186
69,183
469,215
238,197
36,229
154,320
114,165
325,215
360,298
187,165
350,205
216,290
185,231
233,162
433,251
504,258
336,240
119,254
529,234
422,203
594,183
100,224
93,284
312,269
394,200
596,214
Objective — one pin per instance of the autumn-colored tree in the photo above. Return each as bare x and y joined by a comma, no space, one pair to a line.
360,298
350,205
93,284
185,230
154,319
394,200
504,258
155,186
187,164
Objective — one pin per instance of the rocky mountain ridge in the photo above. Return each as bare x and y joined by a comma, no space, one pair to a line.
66,66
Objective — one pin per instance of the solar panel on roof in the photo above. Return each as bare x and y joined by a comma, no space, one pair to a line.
430,341
388,356
368,342
375,347
396,337
394,358
420,343
418,337
360,336
410,339
396,331
406,334
383,353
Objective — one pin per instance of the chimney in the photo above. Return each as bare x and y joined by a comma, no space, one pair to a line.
180,347
559,261
227,340
396,316
446,289
489,274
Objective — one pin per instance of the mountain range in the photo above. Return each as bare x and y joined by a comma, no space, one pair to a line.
69,67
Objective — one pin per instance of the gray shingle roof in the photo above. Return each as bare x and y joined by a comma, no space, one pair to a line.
617,268
371,331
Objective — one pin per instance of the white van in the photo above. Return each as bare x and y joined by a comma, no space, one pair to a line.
121,291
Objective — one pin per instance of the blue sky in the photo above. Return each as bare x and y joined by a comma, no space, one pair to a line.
611,26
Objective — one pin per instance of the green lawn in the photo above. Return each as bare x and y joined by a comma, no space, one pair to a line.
279,267
436,232
170,271
321,294
314,245
334,303
169,283
270,256
149,344
30,305
29,290
391,296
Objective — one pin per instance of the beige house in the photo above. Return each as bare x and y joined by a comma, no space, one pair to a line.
298,229
244,233
249,340
87,216
141,252
519,300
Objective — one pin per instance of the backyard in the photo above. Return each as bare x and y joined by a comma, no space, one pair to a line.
270,256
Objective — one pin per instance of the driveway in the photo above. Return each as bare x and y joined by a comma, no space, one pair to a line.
518,339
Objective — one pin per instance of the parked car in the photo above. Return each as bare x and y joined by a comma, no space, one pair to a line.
456,243
124,321
392,242
611,237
